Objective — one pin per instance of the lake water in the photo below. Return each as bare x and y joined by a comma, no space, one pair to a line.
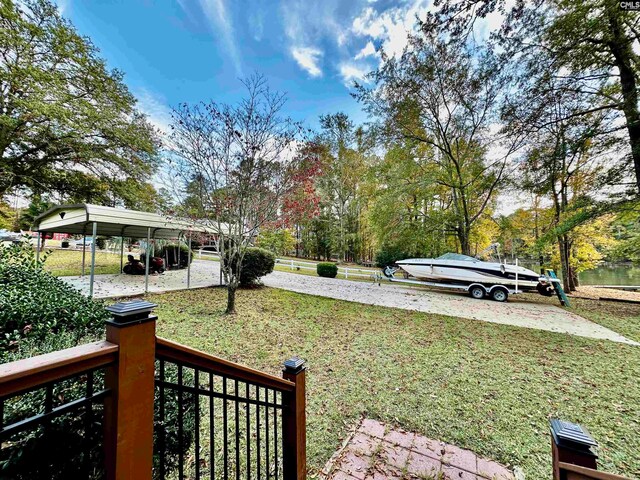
611,275
607,274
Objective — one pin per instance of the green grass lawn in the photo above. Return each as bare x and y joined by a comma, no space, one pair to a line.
487,387
63,263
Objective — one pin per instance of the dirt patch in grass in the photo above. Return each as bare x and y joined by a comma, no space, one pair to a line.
487,387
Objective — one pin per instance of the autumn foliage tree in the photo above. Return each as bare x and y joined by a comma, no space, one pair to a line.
236,164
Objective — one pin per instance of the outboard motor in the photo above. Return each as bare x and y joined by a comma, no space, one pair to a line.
545,288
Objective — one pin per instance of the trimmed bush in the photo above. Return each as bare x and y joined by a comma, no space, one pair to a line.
327,269
175,256
64,244
257,263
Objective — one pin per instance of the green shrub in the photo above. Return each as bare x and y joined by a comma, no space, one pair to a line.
389,254
40,314
174,255
257,262
327,269
34,303
64,243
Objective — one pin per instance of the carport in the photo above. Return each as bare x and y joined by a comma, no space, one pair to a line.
94,220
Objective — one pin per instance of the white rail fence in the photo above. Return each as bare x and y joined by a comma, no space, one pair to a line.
293,265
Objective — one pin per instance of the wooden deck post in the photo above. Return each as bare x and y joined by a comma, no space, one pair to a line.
294,420
129,407
571,443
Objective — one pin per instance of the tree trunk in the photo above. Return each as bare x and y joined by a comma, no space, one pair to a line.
463,238
623,54
564,262
231,298
575,278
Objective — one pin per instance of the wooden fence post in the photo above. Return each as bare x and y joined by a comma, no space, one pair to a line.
294,440
129,408
571,443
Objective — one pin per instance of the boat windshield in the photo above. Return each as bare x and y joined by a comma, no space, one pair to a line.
457,256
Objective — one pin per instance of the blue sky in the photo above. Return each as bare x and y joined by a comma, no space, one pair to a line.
192,50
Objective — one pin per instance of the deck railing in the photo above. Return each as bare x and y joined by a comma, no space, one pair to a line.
139,407
51,413
240,419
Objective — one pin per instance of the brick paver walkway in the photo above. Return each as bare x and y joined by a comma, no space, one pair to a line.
377,452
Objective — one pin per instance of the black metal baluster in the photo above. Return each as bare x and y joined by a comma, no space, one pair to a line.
237,394
212,429
48,407
266,415
224,424
87,424
248,413
196,384
180,426
275,431
162,423
258,428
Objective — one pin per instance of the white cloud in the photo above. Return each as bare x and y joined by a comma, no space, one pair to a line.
369,50
215,12
392,26
350,71
256,24
156,109
308,59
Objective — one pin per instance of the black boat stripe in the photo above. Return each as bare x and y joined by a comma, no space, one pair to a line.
485,271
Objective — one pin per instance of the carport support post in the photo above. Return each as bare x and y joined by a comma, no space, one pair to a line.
93,258
121,253
38,248
84,250
189,264
146,261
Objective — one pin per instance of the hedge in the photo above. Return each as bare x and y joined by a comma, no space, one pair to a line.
169,253
327,269
39,314
256,263
35,304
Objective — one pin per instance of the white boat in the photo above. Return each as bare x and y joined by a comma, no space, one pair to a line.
464,270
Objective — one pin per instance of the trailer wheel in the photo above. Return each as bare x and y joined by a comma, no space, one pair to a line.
499,294
477,292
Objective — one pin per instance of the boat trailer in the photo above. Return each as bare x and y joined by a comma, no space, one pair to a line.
497,292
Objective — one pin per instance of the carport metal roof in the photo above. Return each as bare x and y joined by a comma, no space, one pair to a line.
110,221
96,220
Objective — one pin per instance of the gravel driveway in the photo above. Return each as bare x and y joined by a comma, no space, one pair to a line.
513,312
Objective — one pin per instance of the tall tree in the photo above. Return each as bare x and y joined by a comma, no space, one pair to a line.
409,212
236,164
592,46
446,96
564,164
67,123
344,167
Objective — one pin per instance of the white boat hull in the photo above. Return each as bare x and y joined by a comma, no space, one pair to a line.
430,270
